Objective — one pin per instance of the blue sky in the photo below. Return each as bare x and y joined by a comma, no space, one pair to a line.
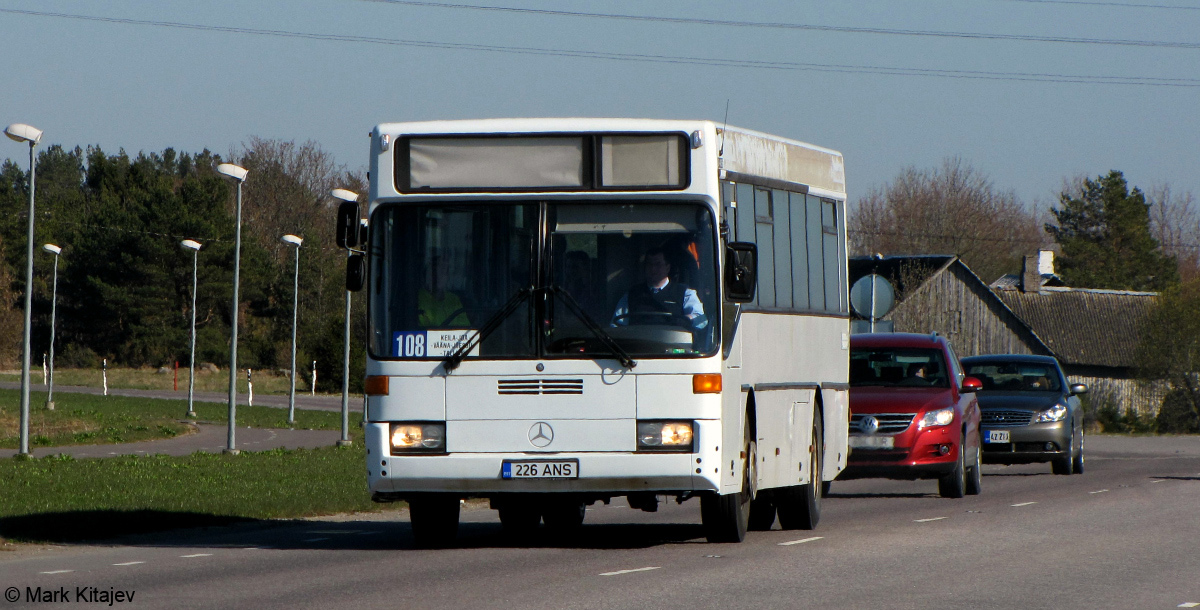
146,87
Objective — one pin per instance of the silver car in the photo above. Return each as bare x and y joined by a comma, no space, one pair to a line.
1030,412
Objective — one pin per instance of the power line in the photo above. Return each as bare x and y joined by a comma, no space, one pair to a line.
1113,4
805,26
652,58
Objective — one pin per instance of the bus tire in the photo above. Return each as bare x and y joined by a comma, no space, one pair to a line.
563,514
762,513
800,505
434,519
726,517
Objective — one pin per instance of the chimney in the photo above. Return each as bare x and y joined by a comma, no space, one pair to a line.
1046,262
1031,280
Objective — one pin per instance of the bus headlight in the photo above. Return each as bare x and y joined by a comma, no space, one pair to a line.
940,417
418,437
665,436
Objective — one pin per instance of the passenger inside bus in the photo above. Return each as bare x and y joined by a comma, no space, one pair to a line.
659,300
436,306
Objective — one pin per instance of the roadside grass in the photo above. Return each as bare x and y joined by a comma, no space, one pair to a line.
266,381
61,499
87,419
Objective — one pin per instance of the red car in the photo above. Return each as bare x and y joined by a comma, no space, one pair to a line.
914,414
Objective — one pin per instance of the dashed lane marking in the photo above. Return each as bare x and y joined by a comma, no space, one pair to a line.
1023,504
1098,492
619,572
1158,481
800,541
57,572
195,555
928,520
129,563
1188,605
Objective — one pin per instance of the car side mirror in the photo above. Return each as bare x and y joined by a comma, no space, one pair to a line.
347,231
356,272
1079,388
741,271
971,384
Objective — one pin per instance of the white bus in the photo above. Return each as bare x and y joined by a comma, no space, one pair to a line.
565,311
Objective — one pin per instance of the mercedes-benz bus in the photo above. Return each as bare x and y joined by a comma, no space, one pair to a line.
567,311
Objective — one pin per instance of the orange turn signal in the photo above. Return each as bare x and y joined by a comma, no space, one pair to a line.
706,383
376,385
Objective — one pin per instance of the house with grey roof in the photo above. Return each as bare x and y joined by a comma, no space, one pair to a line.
1093,333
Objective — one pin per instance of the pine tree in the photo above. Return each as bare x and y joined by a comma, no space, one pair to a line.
1104,232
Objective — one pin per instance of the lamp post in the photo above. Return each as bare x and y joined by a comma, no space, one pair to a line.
293,240
194,246
345,195
26,133
238,174
55,250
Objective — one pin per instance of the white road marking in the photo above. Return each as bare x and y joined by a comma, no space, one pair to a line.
129,563
800,541
1023,504
1098,492
928,520
315,539
195,555
1188,605
56,572
619,572
1158,481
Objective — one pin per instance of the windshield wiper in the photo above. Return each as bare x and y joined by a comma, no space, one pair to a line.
622,356
456,357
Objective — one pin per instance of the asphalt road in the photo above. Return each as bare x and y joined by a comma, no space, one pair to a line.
1125,534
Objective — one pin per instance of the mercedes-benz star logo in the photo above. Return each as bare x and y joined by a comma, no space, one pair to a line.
541,435
870,425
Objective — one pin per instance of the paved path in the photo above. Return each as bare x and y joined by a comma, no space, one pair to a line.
320,402
208,438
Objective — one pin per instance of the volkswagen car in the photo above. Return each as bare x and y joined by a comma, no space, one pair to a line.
1031,413
913,413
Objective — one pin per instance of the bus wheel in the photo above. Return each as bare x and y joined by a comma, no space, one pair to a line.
762,513
563,514
434,519
800,505
727,516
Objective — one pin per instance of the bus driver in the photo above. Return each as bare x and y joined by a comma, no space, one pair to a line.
659,300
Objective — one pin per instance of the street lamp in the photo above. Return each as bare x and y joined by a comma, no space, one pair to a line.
293,240
194,246
26,133
55,250
238,174
352,197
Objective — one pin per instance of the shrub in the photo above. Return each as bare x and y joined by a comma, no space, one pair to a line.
1178,413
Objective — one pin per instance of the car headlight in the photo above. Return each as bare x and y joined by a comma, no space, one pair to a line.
665,435
940,417
418,437
1056,413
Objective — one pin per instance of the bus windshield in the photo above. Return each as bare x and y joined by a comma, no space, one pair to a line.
642,273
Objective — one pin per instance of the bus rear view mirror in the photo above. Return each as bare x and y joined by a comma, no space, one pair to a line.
741,271
356,272
347,225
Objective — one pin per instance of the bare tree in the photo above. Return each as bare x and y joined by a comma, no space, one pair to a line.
953,209
1175,223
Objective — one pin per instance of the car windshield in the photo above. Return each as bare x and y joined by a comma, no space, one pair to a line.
888,366
639,275
1016,376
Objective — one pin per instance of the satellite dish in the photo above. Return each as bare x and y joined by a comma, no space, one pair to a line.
872,296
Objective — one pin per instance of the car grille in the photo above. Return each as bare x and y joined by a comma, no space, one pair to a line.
539,386
889,423
1005,418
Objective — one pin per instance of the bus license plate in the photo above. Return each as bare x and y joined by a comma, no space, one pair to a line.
542,469
996,436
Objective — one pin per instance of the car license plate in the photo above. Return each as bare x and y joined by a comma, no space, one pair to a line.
996,436
540,469
872,442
